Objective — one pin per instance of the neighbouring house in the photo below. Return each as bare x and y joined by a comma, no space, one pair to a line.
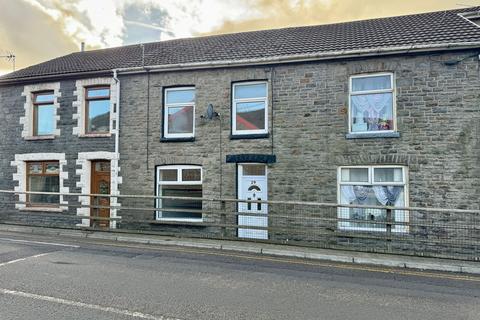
375,112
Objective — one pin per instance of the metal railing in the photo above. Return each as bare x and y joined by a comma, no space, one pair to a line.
433,232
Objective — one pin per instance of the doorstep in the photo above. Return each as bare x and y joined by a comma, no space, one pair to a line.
354,257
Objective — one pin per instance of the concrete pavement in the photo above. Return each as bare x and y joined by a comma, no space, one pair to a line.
374,259
53,277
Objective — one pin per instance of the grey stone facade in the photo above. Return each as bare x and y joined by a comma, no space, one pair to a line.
12,143
438,121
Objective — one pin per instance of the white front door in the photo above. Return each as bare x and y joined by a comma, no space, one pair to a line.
252,185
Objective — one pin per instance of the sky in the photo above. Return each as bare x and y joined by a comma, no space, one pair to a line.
40,30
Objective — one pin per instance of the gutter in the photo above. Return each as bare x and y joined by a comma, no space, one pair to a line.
117,115
56,77
117,141
297,58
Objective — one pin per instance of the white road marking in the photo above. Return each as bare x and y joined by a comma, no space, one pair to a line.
23,259
134,314
40,242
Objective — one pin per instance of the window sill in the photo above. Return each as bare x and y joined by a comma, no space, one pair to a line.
39,138
189,139
96,135
372,135
41,209
350,229
192,223
249,136
179,220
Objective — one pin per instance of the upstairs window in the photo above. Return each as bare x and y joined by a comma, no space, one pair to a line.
43,177
44,113
97,110
250,108
372,103
179,113
179,181
372,186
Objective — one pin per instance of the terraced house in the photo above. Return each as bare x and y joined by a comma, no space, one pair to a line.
375,112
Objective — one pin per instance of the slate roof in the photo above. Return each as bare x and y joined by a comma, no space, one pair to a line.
441,27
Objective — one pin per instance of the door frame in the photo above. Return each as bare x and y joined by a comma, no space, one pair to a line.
91,172
239,187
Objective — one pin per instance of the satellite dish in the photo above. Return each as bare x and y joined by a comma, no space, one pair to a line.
210,112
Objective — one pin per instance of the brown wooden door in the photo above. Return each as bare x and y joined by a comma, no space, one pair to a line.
100,185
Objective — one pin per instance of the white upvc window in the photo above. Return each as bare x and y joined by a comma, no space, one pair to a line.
179,181
179,113
250,108
372,105
372,186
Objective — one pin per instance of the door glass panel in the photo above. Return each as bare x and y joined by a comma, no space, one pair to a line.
104,187
102,166
254,187
254,170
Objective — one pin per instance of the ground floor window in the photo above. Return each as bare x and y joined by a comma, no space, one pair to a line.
372,186
179,181
43,177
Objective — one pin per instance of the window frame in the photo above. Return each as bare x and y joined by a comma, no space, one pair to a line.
371,182
35,105
166,106
87,107
43,174
265,99
179,181
366,92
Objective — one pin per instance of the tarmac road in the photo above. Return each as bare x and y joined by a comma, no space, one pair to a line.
44,278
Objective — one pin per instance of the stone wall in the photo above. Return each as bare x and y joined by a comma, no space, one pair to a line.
438,118
12,143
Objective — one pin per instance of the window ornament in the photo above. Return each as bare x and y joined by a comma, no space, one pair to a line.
372,103
372,186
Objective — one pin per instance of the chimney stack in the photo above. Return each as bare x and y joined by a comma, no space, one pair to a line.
82,46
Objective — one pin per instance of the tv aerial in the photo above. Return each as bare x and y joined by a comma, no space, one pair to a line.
10,57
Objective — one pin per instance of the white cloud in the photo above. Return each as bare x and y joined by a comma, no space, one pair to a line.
190,17
103,23
106,20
